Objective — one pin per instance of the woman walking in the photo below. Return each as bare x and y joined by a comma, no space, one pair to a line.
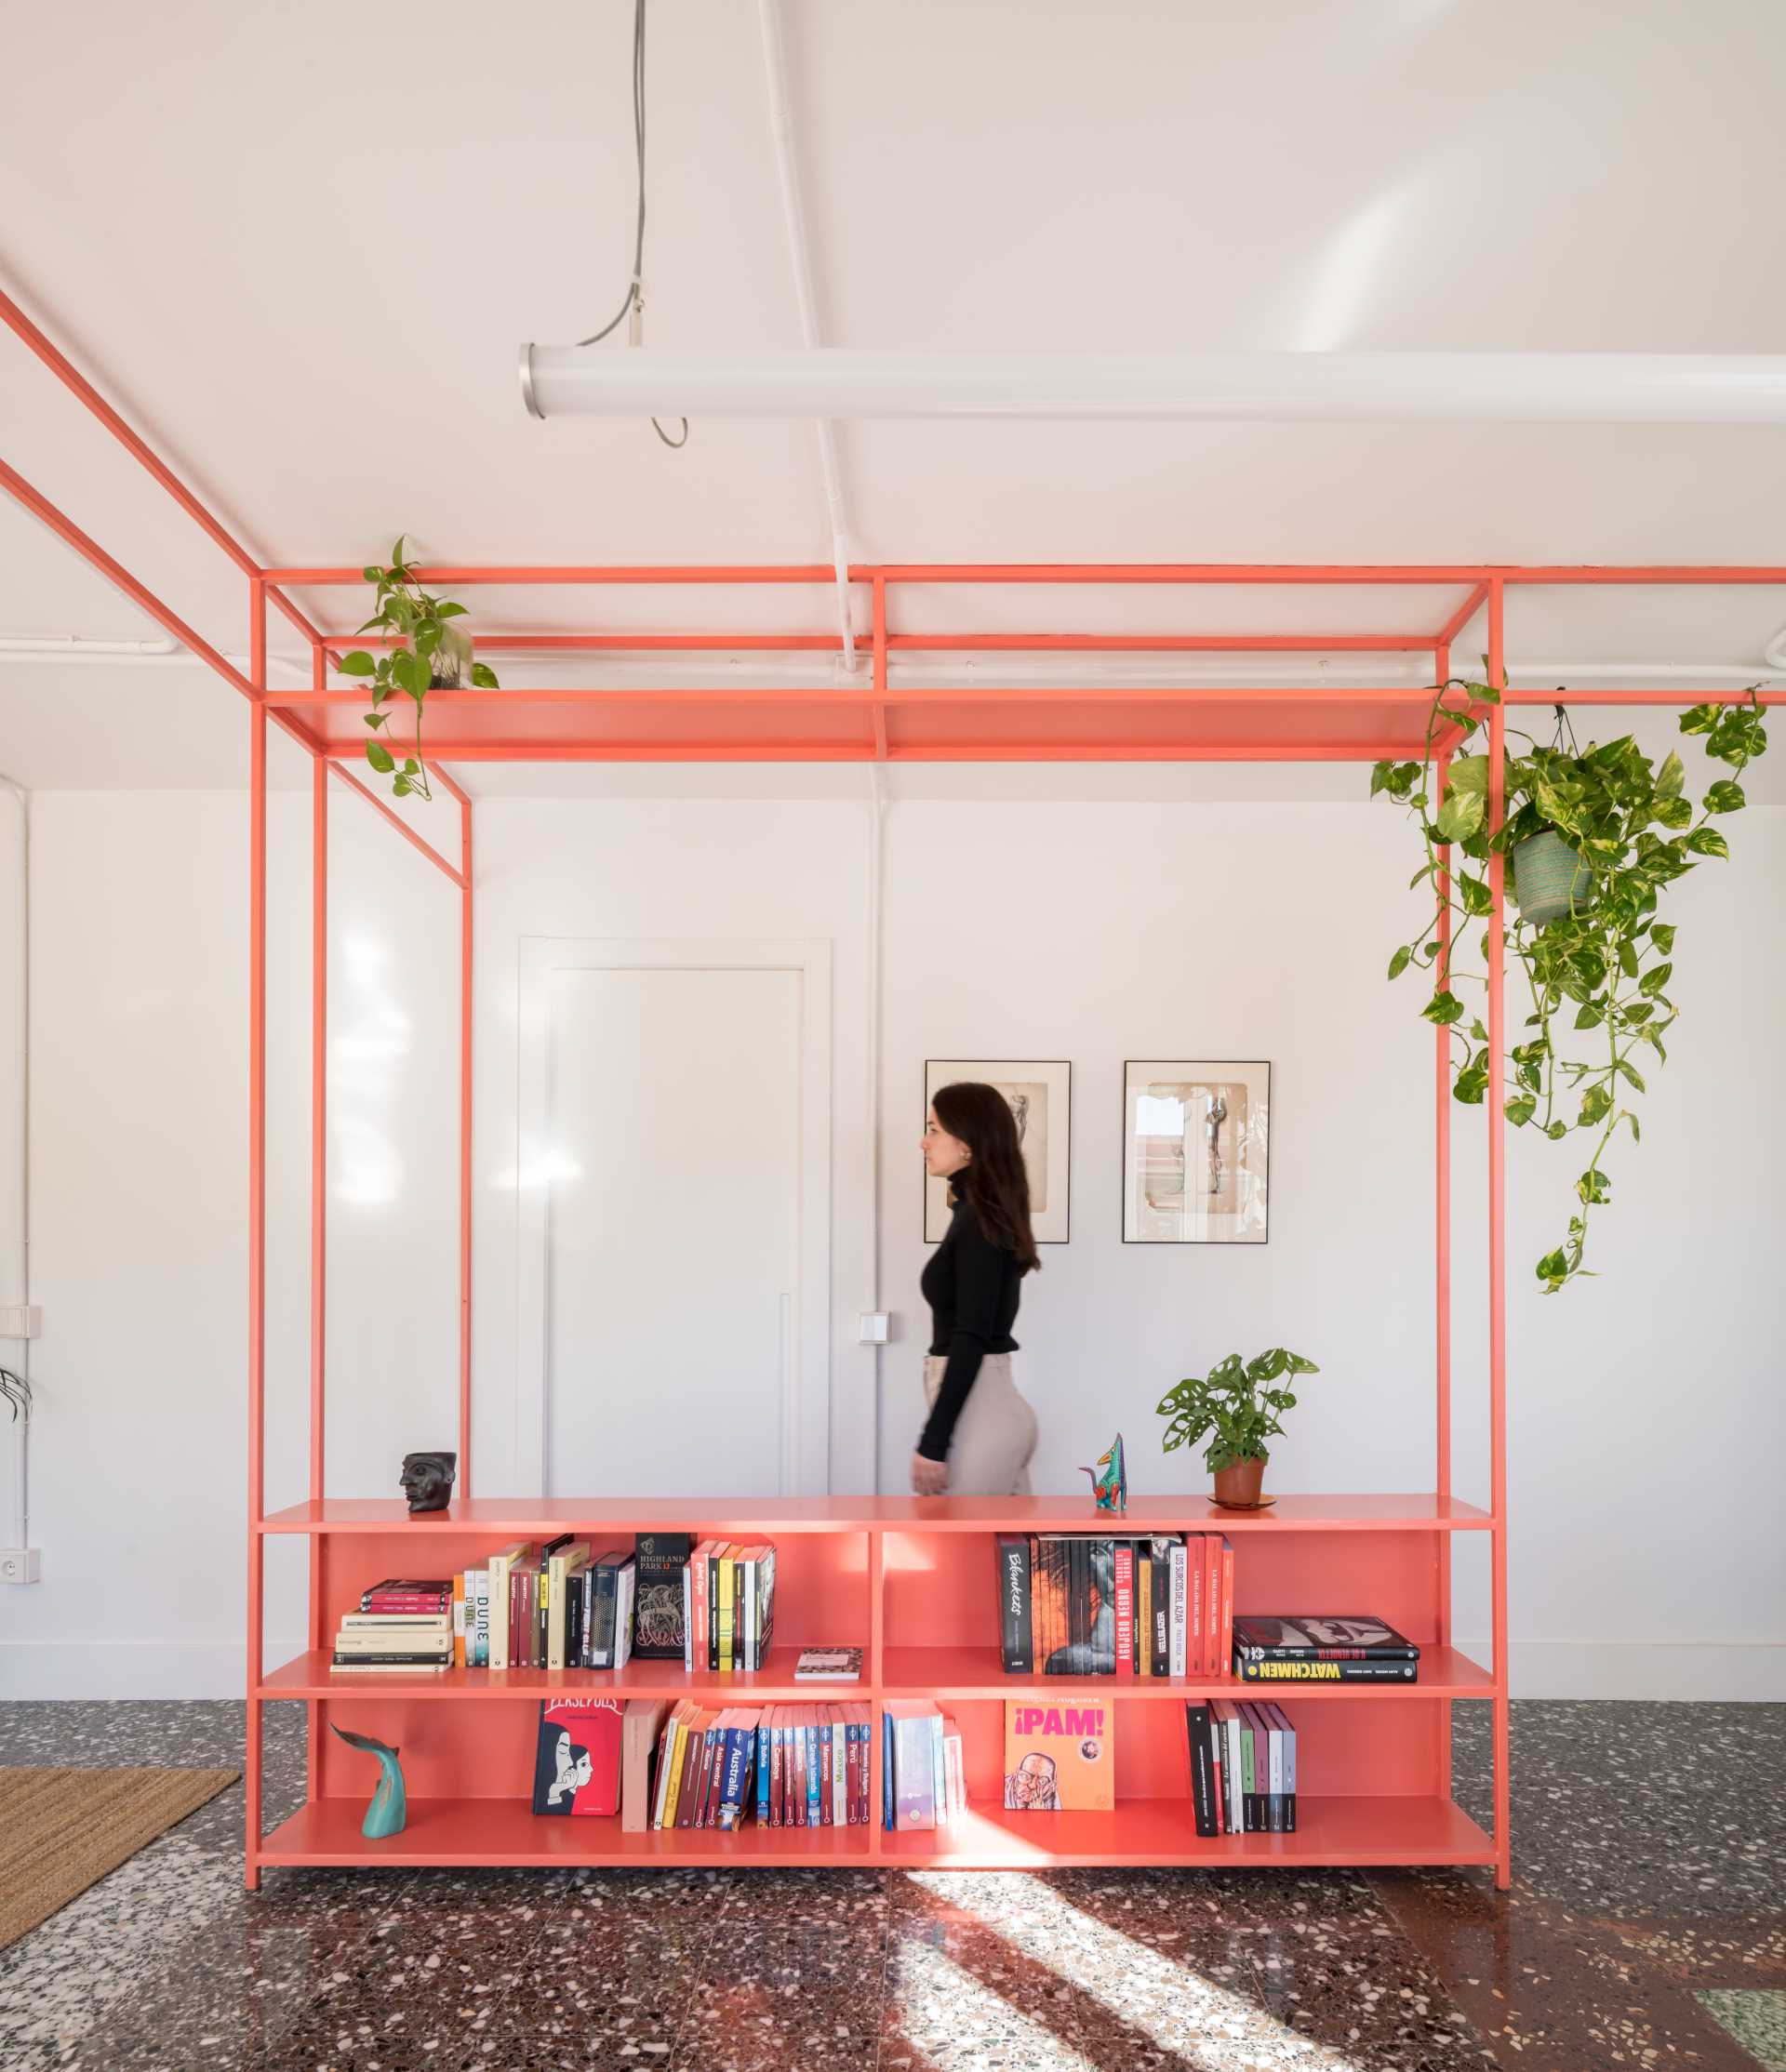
980,1433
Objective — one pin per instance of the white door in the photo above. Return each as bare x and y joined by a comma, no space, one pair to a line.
680,1310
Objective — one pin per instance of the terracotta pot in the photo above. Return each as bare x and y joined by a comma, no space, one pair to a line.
1237,1487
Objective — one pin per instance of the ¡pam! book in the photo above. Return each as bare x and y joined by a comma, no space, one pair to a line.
576,1767
1058,1757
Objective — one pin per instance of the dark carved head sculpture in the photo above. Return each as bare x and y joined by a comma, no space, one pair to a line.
428,1480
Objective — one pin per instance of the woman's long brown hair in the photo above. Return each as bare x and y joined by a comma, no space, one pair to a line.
993,1183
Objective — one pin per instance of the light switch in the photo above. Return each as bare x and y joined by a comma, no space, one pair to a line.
873,1326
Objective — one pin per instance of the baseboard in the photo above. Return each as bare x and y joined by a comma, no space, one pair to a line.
130,1668
1726,1670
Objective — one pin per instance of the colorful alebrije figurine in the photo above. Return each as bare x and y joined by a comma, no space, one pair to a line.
388,1810
1109,1479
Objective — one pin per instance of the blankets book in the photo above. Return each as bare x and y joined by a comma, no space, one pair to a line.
1016,1644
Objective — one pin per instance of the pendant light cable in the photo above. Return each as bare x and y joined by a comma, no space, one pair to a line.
634,304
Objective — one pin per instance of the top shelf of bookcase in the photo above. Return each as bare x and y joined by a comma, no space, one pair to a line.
538,1517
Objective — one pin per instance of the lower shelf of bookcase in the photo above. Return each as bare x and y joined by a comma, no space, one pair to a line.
504,1831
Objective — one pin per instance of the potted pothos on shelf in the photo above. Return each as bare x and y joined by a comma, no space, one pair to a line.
1235,1406
1595,837
426,652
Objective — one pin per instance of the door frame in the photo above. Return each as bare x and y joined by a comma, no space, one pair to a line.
805,1403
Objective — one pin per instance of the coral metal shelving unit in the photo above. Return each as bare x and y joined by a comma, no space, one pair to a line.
913,1579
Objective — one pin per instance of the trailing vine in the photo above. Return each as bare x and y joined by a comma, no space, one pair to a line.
1609,954
427,653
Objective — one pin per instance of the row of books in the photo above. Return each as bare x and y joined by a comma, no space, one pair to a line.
728,1605
402,1623
1080,1604
924,1782
788,1765
1243,1768
1330,1648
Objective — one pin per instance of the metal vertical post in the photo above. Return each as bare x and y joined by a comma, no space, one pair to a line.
1498,1232
318,1201
465,1148
257,1208
1441,1244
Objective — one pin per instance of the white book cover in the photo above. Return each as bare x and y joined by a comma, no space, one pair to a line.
688,1614
750,1614
624,1587
482,1577
1180,1580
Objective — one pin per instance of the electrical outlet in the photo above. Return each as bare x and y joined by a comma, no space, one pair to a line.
18,1564
19,1319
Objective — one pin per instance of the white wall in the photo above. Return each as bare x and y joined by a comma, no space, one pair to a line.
1094,930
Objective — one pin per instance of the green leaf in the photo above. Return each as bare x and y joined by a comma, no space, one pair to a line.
1725,796
1673,813
1708,841
1671,776
1596,1104
1379,776
1460,816
401,787
380,758
1628,959
1520,1110
427,639
410,767
396,551
1654,979
483,677
1444,1008
1556,1131
377,719
1700,719
1471,1085
1630,1071
449,611
1589,1016
1594,1186
1474,894
372,574
1554,1269
1399,961
356,663
1636,1135
1470,773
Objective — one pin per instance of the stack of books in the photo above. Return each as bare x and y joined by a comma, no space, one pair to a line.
728,1605
1242,1769
786,1765
1332,1648
401,1624
1080,1604
553,1606
922,1780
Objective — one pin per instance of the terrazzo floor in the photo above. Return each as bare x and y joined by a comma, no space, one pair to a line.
1646,1928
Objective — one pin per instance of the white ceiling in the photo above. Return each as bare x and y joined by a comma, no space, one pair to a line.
300,247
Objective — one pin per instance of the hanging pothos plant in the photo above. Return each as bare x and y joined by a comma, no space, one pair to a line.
1594,942
429,652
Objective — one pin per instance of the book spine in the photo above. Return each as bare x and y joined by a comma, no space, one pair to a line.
1210,1556
728,1581
1314,1671
814,1815
1163,1588
1202,1797
1217,1767
688,1614
938,1769
1125,1608
1144,1608
396,1658
1180,1571
1014,1645
715,1564
1251,1650
1226,1646
458,1622
763,1769
887,1807
750,1613
1200,1647
1236,1775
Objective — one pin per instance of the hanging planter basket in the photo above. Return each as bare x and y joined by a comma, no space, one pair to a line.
1550,879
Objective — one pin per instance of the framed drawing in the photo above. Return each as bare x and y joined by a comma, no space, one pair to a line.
1196,1139
1040,1093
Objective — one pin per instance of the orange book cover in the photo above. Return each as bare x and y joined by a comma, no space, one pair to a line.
1144,1612
1212,1598
1050,1588
1227,1663
1059,1758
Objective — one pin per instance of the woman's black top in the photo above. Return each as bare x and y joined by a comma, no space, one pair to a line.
971,1286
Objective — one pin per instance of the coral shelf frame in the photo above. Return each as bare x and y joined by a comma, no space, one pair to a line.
874,721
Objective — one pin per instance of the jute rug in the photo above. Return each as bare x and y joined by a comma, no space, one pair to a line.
62,1829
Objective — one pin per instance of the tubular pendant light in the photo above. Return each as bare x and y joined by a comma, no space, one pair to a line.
832,381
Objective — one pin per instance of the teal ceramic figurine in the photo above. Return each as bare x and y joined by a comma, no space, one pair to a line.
387,1813
1109,1479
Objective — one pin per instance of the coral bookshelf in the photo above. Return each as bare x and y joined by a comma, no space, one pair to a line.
911,1581
1378,1766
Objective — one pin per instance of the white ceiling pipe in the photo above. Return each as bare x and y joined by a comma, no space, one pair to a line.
800,252
77,648
833,381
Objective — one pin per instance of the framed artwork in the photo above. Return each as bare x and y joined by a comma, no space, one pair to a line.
1196,1134
1040,1093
